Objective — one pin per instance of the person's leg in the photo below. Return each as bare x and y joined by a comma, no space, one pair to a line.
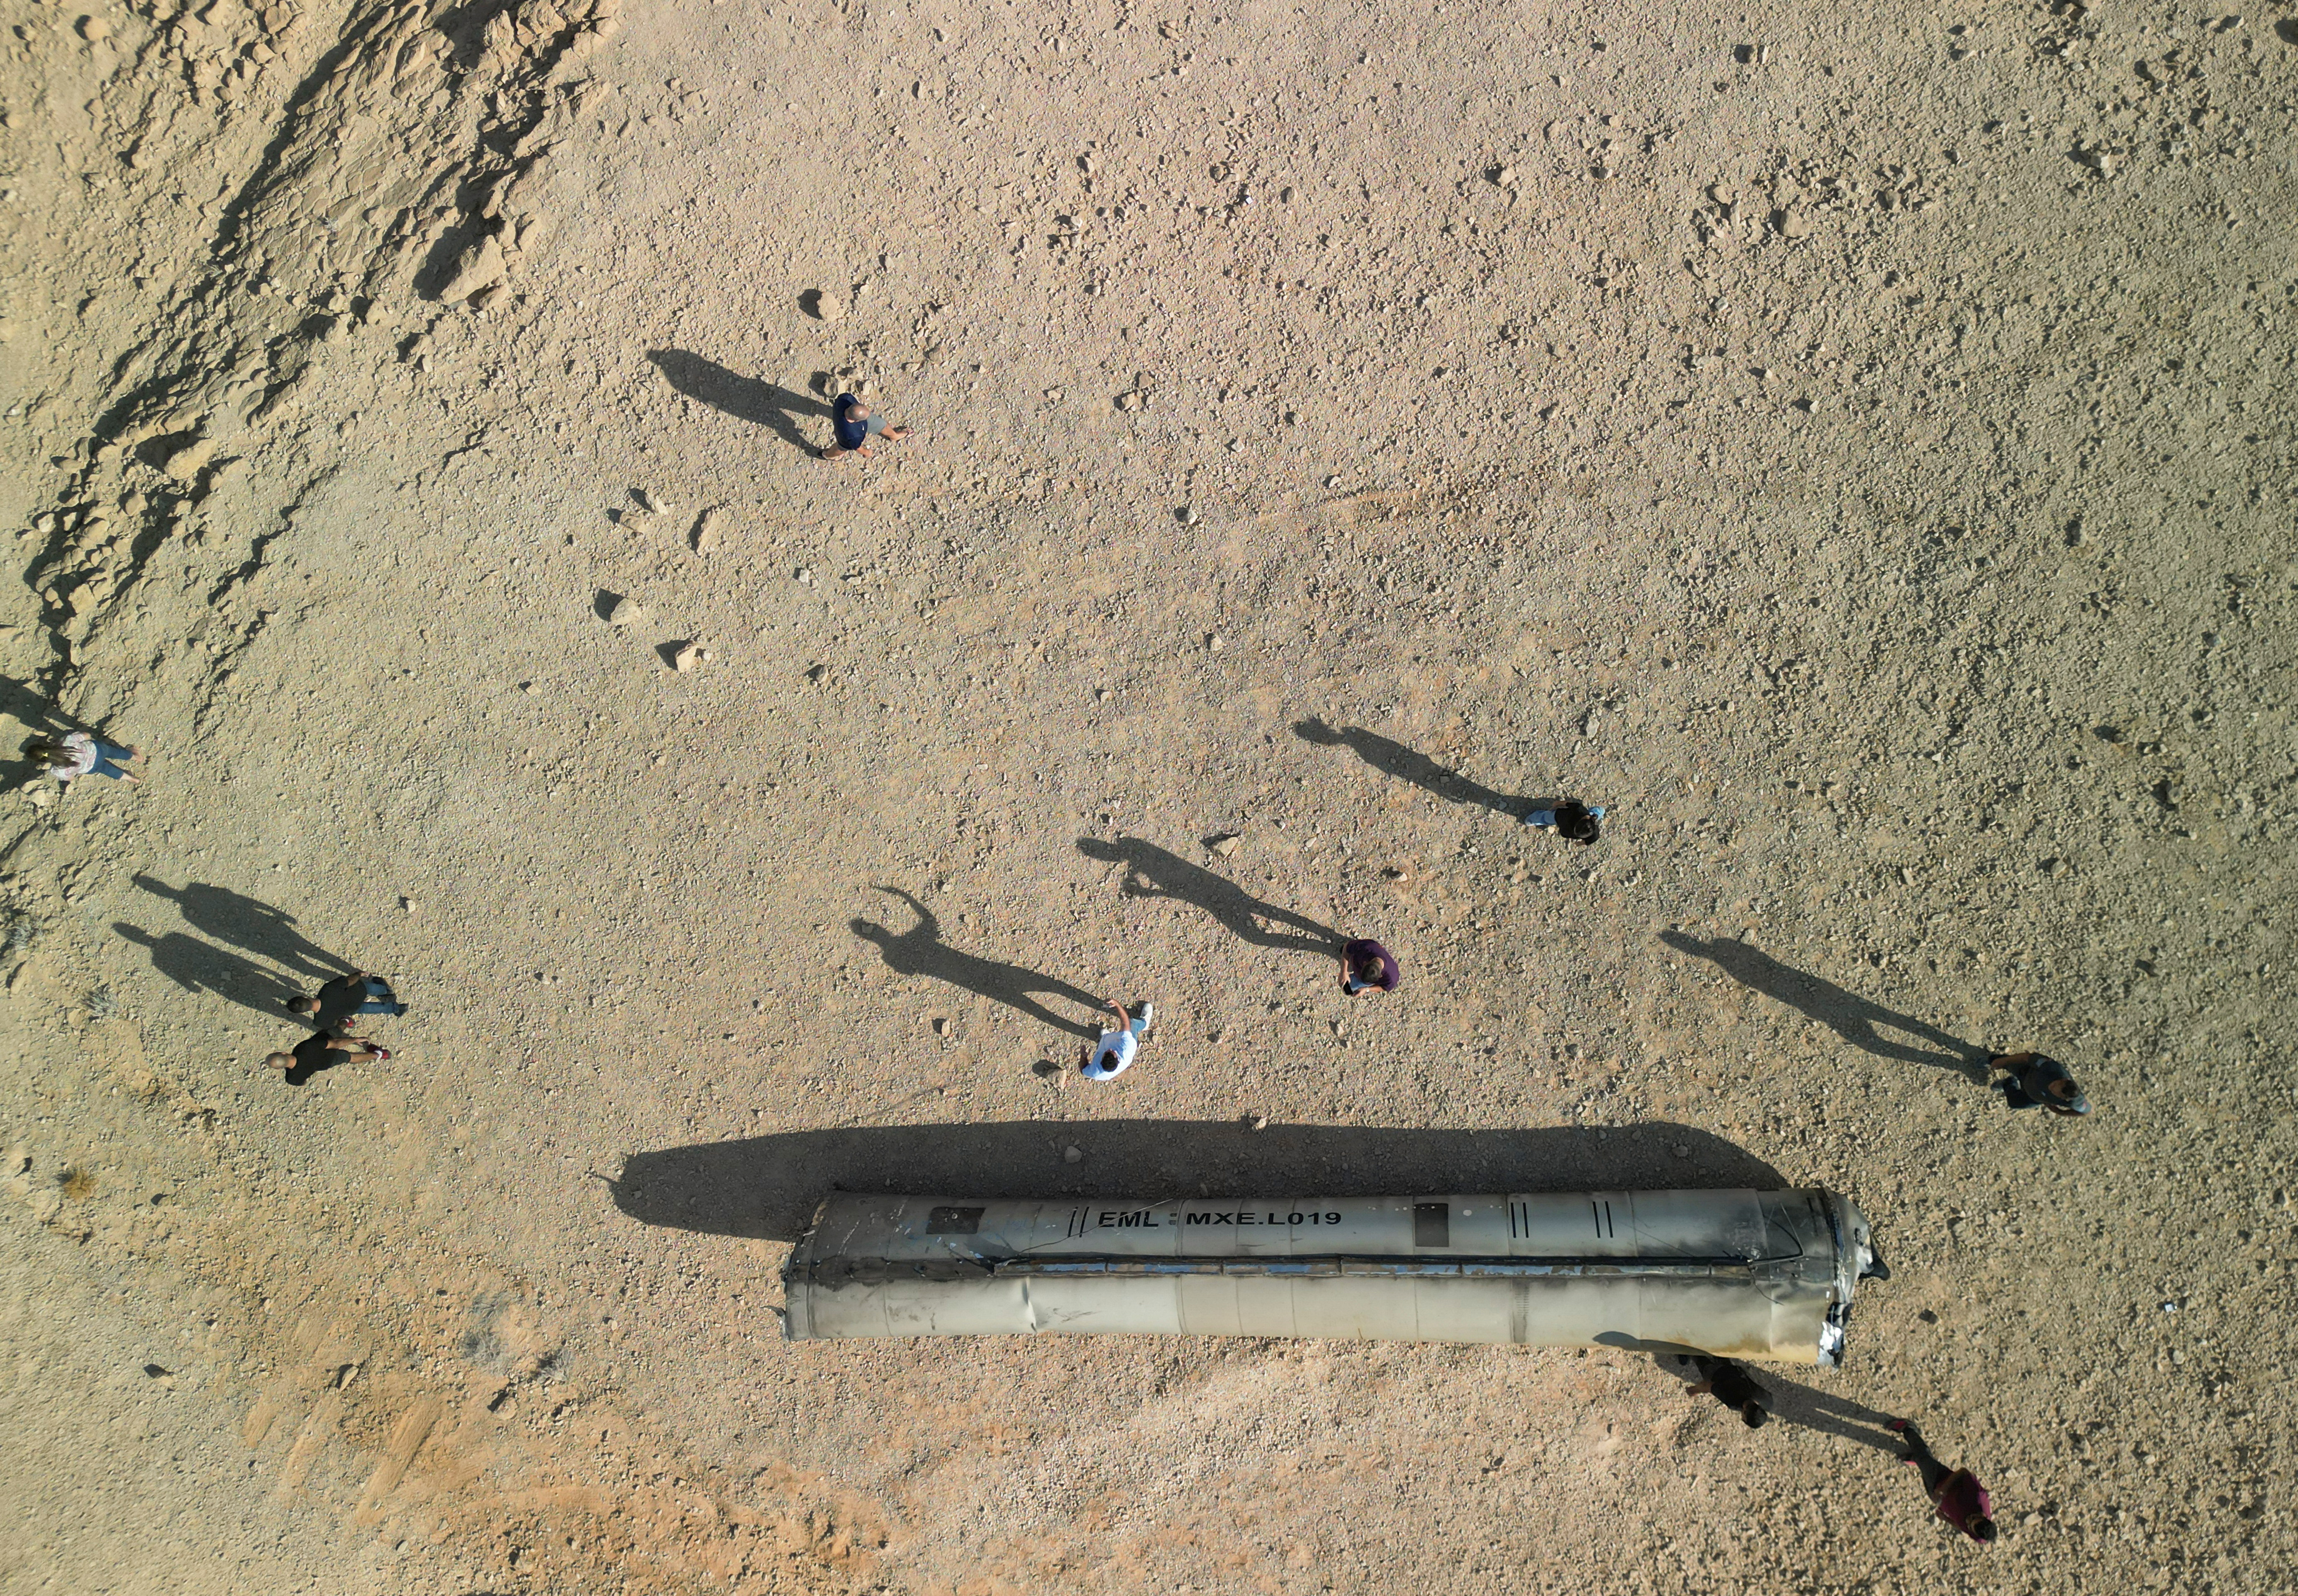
1540,817
104,766
117,756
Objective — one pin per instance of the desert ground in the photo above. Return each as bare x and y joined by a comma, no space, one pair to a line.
1856,448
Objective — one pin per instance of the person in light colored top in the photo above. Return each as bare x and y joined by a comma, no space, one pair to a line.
1112,1055
78,754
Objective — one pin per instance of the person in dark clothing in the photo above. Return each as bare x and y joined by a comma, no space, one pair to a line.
856,424
1728,1383
1956,1495
1368,967
339,999
321,1051
2038,1082
1573,820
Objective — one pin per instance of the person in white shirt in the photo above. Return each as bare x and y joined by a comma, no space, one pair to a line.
1112,1055
79,754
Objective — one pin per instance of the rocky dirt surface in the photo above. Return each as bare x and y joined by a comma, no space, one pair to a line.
1858,447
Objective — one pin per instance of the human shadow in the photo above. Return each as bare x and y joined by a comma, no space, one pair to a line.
920,951
745,398
1152,872
22,701
199,967
768,1187
1850,1017
1392,758
248,924
1822,1411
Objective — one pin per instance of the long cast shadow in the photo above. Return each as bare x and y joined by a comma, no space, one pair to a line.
248,924
769,1186
745,398
1392,758
920,951
1850,1017
1152,872
1819,1410
199,967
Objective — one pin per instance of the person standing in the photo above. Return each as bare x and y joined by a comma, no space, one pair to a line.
1956,1495
80,754
1368,967
855,425
1112,1055
321,1051
339,999
1573,820
2038,1082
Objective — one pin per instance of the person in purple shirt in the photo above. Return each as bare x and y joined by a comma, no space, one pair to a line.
1368,967
856,424
1956,1495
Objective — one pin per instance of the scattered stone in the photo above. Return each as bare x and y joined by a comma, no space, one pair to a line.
1333,481
1070,1154
1130,399
685,657
1261,1122
1102,695
822,305
709,530
93,28
942,1027
488,298
1503,176
480,266
1186,515
187,462
649,501
1213,641
1225,845
626,611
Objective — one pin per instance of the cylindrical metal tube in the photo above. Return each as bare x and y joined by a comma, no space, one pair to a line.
1744,1274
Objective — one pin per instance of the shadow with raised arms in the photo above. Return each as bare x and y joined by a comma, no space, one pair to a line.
768,1187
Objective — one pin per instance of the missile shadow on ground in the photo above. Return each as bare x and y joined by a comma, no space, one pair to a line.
768,1187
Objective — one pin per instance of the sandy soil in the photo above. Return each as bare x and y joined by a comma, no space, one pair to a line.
1856,446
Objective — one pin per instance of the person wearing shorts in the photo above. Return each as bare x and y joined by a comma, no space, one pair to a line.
1112,1055
855,425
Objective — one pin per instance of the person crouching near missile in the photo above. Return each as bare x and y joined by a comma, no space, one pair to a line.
1956,1495
1112,1055
1367,966
1727,1380
2038,1082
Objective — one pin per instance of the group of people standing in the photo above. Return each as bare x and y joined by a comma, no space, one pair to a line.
330,1013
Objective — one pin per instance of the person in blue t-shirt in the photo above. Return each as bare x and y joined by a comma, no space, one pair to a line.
856,424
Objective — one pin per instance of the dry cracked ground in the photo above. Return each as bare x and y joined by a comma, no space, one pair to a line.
1856,447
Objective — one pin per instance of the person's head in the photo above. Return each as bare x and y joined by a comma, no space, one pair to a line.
1752,1414
1980,1528
1368,970
280,1061
857,409
304,1005
47,751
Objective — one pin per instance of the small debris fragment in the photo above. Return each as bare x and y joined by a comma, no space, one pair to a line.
626,611
1225,845
1186,515
685,657
941,1026
1261,1122
709,530
1070,1154
822,305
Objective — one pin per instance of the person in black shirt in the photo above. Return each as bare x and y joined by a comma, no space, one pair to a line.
1728,1383
320,1052
2039,1083
346,996
857,425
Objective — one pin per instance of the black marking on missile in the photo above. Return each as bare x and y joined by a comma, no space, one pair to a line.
1432,1224
1605,1228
